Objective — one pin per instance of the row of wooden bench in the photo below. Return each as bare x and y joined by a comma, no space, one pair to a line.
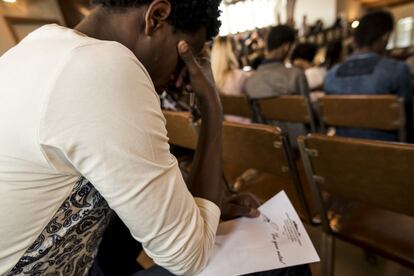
381,112
378,175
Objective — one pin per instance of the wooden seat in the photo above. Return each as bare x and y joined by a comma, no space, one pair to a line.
237,105
259,147
181,130
378,176
381,112
294,109
265,149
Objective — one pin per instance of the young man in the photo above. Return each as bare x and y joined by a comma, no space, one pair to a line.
369,72
273,78
82,105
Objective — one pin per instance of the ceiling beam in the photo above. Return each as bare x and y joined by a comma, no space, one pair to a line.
372,4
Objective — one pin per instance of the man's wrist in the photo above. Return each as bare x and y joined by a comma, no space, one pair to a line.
210,106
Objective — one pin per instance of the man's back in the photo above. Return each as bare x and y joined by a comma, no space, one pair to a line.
27,75
370,74
76,109
274,79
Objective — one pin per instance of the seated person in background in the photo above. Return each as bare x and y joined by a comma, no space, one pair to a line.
333,55
302,57
230,80
410,63
369,72
273,78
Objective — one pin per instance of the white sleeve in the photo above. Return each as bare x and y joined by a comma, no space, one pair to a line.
104,118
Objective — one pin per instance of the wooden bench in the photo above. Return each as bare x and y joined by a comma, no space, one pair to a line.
376,178
381,112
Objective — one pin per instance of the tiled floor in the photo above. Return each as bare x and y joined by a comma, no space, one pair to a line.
352,261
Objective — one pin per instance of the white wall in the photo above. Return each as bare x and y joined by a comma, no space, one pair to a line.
315,9
259,13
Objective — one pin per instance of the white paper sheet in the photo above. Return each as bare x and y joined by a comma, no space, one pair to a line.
274,240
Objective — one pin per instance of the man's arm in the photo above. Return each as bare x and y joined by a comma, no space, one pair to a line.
204,179
104,120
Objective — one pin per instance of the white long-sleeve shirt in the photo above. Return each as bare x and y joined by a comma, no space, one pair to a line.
74,106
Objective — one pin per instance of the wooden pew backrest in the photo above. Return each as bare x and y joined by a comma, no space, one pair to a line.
237,105
372,172
181,131
384,112
295,109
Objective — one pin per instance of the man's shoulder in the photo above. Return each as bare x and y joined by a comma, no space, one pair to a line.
276,68
102,58
393,64
333,71
297,73
100,52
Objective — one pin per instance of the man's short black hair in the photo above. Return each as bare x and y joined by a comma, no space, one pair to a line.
306,51
187,15
372,27
280,35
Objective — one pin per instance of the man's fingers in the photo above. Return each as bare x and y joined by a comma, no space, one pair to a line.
234,211
188,57
246,199
254,213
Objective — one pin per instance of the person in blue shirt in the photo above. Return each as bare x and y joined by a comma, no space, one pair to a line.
369,72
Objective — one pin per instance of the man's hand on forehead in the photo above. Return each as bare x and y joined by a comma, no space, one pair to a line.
199,62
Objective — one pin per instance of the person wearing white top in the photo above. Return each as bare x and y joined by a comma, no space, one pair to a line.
83,134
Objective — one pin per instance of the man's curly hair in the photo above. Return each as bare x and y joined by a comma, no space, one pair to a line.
187,15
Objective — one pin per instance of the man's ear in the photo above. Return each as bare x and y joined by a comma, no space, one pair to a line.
157,13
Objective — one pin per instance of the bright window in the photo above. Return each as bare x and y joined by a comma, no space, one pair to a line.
404,32
247,15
